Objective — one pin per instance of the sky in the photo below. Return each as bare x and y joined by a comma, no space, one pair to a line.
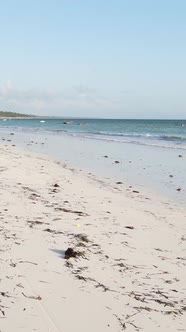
93,58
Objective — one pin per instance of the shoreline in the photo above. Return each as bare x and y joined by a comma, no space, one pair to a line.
146,169
129,273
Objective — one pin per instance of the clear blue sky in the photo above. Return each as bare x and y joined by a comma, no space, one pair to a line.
94,58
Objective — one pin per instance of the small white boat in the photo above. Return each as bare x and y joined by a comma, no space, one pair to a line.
42,121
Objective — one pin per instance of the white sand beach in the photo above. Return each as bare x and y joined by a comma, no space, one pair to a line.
129,269
93,166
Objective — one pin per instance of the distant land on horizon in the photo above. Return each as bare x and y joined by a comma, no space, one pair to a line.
4,114
9,114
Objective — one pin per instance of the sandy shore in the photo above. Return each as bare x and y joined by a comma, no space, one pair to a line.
146,168
129,272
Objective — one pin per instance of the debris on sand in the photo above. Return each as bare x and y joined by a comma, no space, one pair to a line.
70,253
33,297
53,231
79,213
82,237
129,227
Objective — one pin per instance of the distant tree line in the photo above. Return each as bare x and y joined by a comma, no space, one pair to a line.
13,115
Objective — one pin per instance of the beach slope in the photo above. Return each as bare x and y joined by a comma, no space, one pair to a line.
128,266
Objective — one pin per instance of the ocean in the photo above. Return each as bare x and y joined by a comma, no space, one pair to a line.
145,155
161,133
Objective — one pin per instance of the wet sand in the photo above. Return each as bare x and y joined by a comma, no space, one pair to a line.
128,272
146,168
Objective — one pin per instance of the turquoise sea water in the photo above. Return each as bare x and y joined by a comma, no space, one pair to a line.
162,133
